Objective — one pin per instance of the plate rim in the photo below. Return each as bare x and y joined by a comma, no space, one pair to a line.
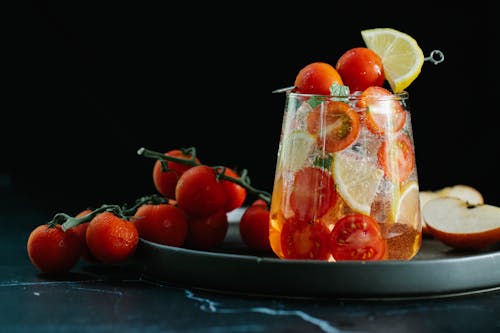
255,274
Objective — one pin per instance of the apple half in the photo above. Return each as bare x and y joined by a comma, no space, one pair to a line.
462,225
464,192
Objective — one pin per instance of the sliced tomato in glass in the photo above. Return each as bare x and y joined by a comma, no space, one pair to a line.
357,237
301,240
336,125
313,193
397,157
384,112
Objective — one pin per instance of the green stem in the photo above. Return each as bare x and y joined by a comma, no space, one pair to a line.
68,222
162,157
123,212
153,199
243,181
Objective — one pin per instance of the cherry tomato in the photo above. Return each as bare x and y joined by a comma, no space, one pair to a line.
53,251
163,223
110,238
199,193
397,157
317,78
236,194
208,232
313,193
254,227
336,125
300,240
165,182
80,231
384,113
357,237
360,68
259,202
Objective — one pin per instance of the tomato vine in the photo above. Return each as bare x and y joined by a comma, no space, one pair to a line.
123,212
67,221
243,181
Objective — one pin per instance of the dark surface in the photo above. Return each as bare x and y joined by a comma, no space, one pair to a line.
118,298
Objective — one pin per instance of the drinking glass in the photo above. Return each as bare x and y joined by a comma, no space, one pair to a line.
346,185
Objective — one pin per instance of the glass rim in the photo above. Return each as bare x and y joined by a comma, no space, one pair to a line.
354,96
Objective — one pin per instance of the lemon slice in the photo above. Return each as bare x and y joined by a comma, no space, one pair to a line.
408,207
297,147
401,55
356,180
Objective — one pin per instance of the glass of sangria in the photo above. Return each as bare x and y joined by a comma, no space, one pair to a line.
346,185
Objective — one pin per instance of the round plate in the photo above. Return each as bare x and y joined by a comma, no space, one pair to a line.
436,271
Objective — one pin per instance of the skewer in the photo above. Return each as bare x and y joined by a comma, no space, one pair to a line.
436,57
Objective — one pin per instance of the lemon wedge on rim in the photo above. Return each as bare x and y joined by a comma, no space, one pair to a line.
400,53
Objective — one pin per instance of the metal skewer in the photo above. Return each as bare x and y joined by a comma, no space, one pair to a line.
436,57
280,90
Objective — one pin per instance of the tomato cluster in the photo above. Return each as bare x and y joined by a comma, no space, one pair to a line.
205,200
201,200
190,211
104,237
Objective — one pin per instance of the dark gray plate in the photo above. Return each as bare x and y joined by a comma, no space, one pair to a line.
436,271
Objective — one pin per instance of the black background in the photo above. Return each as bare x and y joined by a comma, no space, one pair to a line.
88,84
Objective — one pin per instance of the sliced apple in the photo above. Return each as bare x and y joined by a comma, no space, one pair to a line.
464,192
425,196
461,225
460,191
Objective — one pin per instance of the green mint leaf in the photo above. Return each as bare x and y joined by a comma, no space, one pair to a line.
324,162
341,92
314,101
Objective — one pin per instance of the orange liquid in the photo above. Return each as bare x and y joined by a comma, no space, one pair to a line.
402,240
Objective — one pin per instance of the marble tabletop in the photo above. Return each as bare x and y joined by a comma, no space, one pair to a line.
120,298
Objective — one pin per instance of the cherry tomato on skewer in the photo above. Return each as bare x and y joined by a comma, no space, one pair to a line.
360,68
316,78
